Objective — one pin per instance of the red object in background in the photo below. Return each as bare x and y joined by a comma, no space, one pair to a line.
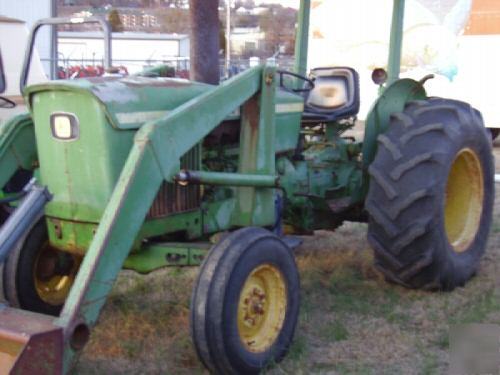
80,71
484,18
182,73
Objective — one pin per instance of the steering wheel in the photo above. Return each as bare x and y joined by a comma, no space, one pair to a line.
306,88
6,103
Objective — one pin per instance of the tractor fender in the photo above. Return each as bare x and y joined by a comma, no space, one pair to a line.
17,150
17,147
393,99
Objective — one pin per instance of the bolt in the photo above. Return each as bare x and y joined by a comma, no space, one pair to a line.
269,79
58,231
250,321
258,308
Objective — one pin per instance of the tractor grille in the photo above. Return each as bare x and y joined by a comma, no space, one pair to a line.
173,198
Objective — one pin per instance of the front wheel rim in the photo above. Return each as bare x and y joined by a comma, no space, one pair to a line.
52,286
262,308
464,200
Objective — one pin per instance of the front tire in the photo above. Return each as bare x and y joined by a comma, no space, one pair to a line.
245,303
37,277
431,194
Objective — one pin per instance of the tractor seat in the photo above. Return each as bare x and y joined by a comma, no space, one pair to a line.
335,95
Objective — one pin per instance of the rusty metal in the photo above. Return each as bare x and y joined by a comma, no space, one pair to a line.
172,198
29,343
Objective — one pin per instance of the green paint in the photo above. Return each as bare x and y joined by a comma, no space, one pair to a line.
329,174
302,38
230,179
257,155
130,101
114,237
81,173
392,100
396,41
161,255
17,146
70,236
188,222
217,215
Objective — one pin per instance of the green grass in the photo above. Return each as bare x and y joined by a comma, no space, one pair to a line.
298,349
353,369
443,340
352,293
351,321
335,331
476,312
429,364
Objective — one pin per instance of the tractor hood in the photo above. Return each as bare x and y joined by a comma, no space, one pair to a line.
130,101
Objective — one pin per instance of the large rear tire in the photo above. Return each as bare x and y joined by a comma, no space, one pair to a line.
431,195
245,303
495,132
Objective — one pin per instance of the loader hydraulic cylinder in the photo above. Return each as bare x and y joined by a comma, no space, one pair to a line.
23,217
185,177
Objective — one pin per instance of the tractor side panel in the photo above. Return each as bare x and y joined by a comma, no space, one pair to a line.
81,172
289,108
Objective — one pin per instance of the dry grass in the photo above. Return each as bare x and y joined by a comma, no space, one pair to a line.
144,327
351,322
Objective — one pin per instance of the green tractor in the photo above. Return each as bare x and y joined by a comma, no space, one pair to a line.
142,173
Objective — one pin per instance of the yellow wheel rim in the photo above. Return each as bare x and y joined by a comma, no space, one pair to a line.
53,281
464,200
262,308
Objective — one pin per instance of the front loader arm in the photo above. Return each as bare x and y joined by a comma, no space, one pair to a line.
154,157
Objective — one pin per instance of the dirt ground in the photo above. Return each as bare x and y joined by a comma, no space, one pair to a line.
351,320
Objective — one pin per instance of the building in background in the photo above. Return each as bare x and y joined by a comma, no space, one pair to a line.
246,41
27,11
134,51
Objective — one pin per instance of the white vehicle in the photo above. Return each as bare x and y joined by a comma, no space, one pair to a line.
458,46
13,41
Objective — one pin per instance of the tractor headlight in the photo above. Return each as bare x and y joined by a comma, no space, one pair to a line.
64,126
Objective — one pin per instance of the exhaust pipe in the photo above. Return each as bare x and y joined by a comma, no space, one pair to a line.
29,210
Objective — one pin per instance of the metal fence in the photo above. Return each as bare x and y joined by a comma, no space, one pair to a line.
69,68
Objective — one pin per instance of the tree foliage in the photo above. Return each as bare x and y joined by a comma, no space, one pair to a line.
278,25
174,20
115,21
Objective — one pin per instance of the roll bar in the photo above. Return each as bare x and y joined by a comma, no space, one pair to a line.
106,28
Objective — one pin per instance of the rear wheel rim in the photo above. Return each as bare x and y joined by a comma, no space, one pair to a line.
52,285
464,200
262,308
